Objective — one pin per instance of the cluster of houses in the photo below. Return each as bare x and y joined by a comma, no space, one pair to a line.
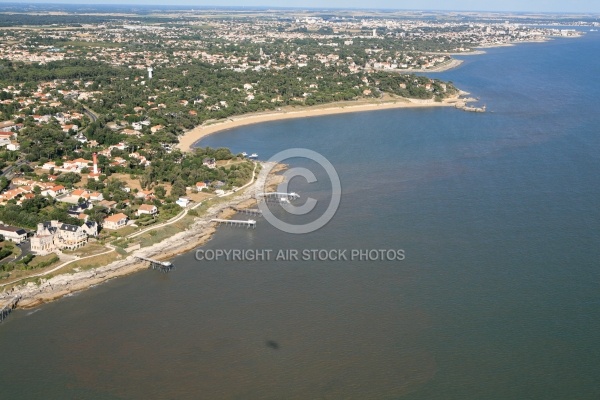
25,190
68,166
8,135
53,236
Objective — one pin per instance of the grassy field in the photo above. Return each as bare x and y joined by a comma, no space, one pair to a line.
88,263
158,235
18,273
88,250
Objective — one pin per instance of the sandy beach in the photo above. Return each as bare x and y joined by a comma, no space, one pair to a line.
186,142
453,63
202,229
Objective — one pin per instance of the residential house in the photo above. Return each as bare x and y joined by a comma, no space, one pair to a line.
81,139
132,132
209,162
69,127
80,193
143,194
8,126
13,146
96,196
77,209
54,235
14,234
183,202
70,237
108,204
43,240
156,128
115,221
147,209
54,191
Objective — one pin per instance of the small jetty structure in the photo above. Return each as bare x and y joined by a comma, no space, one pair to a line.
463,105
248,211
7,308
235,222
162,266
281,197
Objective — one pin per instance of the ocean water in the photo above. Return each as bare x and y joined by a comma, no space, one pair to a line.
498,296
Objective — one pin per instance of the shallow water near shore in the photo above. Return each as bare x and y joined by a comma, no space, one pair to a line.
498,297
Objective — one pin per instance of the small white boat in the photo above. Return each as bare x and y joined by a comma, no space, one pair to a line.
244,154
253,155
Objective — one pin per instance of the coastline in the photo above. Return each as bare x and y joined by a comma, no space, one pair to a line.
50,289
33,295
191,137
202,229
453,63
65,284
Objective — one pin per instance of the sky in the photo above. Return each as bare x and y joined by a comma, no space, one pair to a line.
574,6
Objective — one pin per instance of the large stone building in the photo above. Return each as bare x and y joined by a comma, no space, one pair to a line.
54,235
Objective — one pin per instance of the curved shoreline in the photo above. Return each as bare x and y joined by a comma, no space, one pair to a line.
191,137
56,287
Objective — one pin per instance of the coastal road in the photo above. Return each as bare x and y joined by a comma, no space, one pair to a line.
112,248
185,211
25,250
10,172
59,266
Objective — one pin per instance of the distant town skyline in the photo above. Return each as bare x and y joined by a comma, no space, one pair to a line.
561,6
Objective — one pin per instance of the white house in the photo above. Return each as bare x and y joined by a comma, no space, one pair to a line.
54,191
147,209
115,221
14,234
183,202
96,196
13,146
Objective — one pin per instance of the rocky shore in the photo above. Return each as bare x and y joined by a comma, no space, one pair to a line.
198,233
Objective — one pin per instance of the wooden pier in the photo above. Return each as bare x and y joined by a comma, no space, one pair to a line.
235,222
8,307
162,266
281,197
248,211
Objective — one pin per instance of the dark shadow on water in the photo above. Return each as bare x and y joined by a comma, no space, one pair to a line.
272,344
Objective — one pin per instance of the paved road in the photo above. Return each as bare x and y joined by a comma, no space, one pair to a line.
25,250
89,113
11,171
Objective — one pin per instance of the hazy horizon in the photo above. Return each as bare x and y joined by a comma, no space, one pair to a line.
536,6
